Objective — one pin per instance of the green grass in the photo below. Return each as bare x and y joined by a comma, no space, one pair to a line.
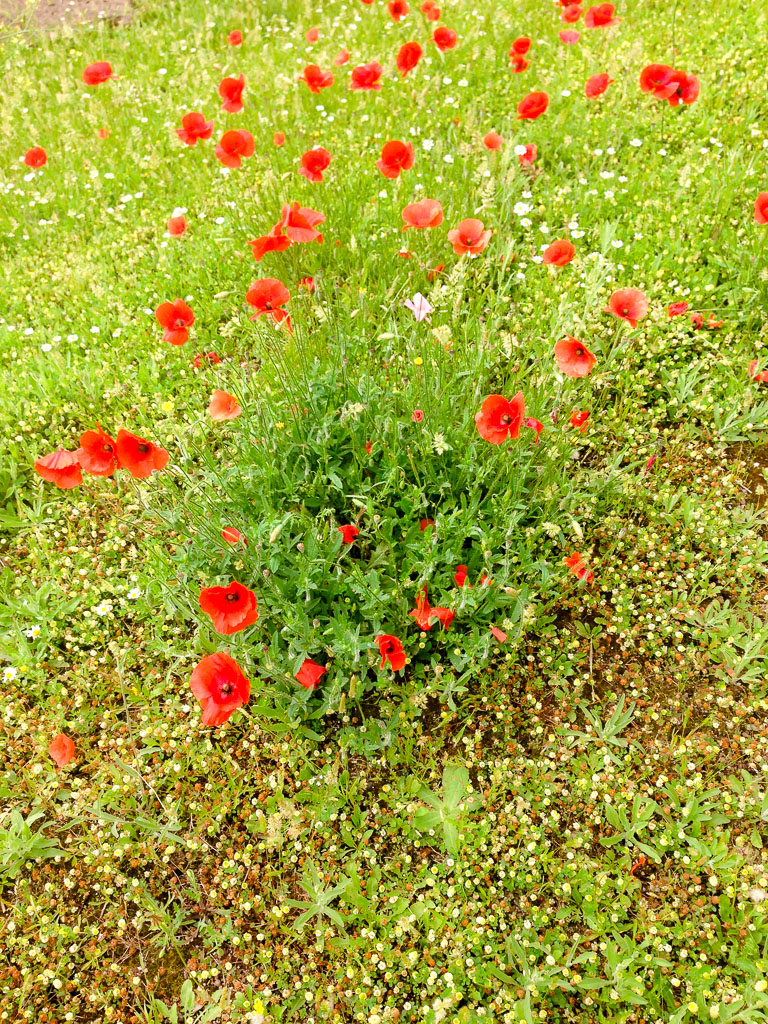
566,826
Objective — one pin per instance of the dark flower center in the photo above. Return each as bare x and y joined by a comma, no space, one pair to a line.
143,448
506,419
107,448
225,689
233,597
579,351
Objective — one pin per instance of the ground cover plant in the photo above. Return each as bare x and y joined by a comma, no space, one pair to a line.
383,566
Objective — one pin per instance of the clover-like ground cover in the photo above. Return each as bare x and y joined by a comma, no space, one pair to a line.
552,805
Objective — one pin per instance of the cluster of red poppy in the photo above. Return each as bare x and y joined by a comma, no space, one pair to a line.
100,455
665,83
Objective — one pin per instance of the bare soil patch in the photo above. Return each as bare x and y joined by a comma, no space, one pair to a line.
51,14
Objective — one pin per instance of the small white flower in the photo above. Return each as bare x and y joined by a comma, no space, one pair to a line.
101,609
133,594
33,633
9,674
520,150
427,144
635,142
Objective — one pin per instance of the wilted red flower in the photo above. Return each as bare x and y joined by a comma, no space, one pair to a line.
493,140
579,419
435,272
97,73
177,225
267,296
97,453
35,157
430,10
444,38
532,106
577,566
628,304
460,576
275,241
310,673
314,162
499,634
220,686
408,57
365,77
760,377
61,468
596,85
341,58
231,608
760,209
600,16
235,38
535,425
398,9
520,46
312,34
573,358
570,15
395,157
424,523
391,651
175,318
426,616
233,536
518,63
499,419
676,309
61,749
194,127
205,357
315,78
231,92
307,283
103,133
234,146
530,154
568,37
427,213
559,253
348,533
223,406
469,236
139,456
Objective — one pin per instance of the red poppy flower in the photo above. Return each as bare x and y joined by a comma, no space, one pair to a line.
568,37
676,309
97,73
312,35
138,456
518,63
687,91
341,58
395,157
365,77
559,253
298,223
231,608
220,686
520,46
499,419
103,133
273,242
530,154
430,10
600,16
61,749
177,226
231,92
570,15
436,272
535,425
235,38
398,9
223,406
427,213
310,673
761,376
307,283
460,576
175,318
391,651
628,304
444,38
573,358
596,85
469,236
314,162
267,296
532,106
348,533
194,127
493,140
61,468
315,78
96,453
577,566
426,616
424,523
36,157
233,536
499,634
205,357
278,139
659,79
408,57
234,147
417,416
760,210
579,419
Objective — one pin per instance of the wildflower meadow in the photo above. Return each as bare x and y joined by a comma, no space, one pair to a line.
383,549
